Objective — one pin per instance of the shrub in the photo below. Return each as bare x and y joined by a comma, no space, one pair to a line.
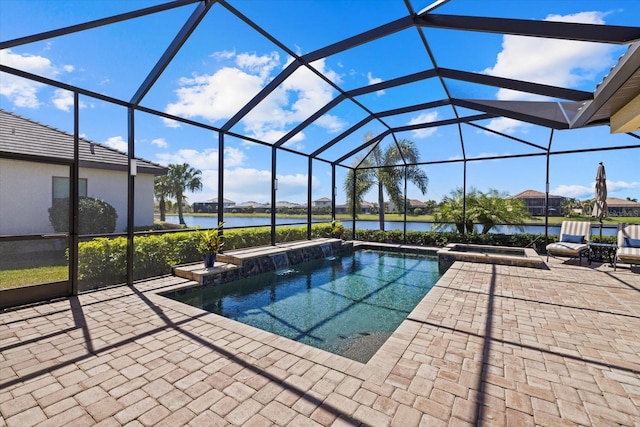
95,216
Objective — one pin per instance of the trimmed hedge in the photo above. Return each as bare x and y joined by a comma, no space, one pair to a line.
441,239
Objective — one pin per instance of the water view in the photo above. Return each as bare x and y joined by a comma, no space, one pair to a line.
252,221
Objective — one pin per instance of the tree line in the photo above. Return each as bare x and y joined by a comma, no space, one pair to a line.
383,171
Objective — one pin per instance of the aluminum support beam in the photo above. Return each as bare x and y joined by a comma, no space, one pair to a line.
168,55
525,27
94,24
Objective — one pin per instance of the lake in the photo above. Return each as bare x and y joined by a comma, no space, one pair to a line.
252,221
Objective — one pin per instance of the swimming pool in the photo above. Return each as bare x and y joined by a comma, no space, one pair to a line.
347,305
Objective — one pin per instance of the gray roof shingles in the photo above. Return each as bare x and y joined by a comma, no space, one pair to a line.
26,138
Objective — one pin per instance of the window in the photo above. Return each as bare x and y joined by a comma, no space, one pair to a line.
61,187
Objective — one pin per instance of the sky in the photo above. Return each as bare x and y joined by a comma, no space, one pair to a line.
225,63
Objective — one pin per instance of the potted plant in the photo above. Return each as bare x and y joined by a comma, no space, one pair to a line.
209,245
337,230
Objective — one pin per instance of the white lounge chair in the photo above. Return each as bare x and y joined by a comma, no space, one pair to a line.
628,244
574,240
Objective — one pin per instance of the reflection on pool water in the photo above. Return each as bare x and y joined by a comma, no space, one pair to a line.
347,305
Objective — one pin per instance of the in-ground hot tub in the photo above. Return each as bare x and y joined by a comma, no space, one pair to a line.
504,255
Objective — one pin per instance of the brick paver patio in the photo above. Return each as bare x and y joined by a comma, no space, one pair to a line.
489,345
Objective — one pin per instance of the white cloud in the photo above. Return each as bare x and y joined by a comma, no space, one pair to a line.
260,65
506,125
22,92
613,186
294,187
63,100
242,184
197,159
160,142
220,95
223,54
233,157
331,123
572,190
216,96
203,160
581,192
117,143
426,117
373,80
563,63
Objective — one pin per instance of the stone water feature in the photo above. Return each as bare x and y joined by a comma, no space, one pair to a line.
242,263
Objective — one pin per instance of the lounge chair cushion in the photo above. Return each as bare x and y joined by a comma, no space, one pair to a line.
566,248
629,254
631,243
572,238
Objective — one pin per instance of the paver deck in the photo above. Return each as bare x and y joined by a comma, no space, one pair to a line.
489,345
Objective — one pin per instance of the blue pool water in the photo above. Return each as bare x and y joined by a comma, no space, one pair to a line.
348,305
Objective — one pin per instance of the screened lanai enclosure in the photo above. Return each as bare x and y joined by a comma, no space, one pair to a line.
292,103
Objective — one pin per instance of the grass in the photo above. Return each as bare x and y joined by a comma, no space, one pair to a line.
33,276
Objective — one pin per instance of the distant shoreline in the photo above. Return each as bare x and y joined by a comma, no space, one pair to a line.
553,220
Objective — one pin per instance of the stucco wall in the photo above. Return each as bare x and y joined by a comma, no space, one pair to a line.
26,195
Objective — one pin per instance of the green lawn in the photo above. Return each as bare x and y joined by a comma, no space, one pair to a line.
33,276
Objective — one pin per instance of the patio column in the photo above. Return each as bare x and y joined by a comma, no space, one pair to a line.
546,195
131,172
220,177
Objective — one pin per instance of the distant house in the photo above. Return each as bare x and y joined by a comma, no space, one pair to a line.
35,165
622,207
251,206
412,204
283,204
365,208
211,205
416,204
534,202
322,202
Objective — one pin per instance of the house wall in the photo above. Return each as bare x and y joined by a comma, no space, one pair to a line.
26,195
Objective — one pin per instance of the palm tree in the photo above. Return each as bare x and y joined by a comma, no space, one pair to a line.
183,178
568,204
450,211
587,206
489,209
495,208
162,191
388,179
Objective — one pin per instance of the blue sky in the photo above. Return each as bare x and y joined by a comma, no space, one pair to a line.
225,63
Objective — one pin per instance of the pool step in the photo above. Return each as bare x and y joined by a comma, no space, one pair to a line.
197,272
